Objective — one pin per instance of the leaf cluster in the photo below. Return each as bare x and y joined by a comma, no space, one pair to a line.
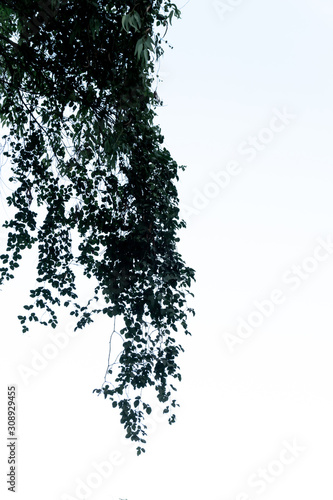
76,96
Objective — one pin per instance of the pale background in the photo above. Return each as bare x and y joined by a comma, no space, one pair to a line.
233,63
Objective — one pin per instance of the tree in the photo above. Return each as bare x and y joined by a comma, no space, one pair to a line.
88,165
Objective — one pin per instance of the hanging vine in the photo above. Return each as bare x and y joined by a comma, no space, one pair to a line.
93,185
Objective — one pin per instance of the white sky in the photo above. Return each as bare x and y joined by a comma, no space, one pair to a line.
232,70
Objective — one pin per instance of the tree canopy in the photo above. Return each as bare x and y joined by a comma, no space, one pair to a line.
93,187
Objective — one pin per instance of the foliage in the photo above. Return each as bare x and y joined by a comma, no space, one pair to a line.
88,164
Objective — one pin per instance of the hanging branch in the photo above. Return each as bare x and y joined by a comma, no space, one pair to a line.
76,95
